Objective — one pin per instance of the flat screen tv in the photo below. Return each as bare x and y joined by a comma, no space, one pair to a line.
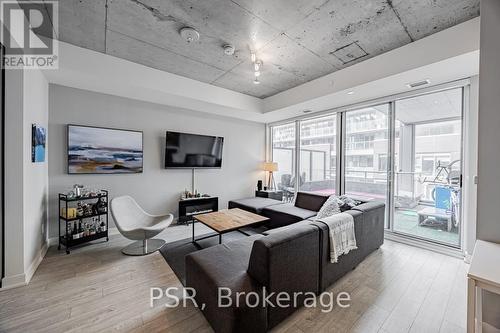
192,151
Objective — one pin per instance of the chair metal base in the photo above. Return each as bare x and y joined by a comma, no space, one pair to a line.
142,248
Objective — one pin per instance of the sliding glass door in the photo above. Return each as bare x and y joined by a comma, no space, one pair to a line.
406,152
318,155
284,153
427,187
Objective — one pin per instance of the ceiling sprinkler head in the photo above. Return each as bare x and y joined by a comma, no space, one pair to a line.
229,49
189,34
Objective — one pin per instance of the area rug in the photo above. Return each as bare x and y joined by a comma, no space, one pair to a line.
174,252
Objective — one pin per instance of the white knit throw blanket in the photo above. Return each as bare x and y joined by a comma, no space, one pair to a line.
342,236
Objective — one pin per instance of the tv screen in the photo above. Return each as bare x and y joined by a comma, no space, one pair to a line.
185,150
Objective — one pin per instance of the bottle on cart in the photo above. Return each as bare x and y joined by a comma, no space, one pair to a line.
80,228
79,209
103,226
75,234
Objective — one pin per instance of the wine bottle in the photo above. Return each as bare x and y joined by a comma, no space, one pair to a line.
75,231
80,228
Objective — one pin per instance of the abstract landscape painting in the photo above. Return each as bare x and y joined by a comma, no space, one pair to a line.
104,150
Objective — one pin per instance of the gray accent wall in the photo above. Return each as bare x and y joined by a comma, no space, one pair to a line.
488,196
156,189
488,192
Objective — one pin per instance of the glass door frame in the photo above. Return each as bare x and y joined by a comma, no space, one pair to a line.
391,100
464,108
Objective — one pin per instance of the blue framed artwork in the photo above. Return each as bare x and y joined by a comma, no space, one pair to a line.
38,139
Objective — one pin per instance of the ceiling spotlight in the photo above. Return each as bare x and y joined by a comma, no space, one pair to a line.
256,81
257,65
229,49
350,93
257,74
253,57
189,34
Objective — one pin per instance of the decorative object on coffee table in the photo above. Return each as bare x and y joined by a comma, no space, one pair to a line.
270,167
227,220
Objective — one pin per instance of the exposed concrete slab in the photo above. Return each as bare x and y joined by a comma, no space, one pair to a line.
323,35
423,18
82,23
373,25
286,65
244,84
140,52
218,22
281,14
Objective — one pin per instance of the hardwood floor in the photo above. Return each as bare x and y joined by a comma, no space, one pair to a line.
398,288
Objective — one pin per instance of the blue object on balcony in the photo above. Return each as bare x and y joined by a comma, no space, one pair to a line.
443,197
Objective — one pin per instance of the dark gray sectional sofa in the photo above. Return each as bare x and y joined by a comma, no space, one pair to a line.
292,256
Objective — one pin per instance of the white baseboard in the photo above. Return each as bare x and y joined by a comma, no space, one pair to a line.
36,262
111,232
13,281
20,280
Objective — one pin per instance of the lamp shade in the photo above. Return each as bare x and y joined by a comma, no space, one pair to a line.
270,166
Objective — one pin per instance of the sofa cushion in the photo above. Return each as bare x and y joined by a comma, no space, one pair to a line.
287,261
330,207
225,266
348,202
254,205
285,214
310,201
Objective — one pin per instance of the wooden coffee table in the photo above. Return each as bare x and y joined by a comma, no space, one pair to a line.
227,220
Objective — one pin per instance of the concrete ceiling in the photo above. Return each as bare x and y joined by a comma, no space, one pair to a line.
298,40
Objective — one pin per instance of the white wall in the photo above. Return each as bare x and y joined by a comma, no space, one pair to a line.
14,225
156,189
36,182
26,183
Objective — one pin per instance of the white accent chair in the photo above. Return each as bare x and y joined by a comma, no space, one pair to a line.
135,224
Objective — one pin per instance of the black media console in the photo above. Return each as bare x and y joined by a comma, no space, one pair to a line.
190,207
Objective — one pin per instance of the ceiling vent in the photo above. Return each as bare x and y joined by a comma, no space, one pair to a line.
349,53
418,84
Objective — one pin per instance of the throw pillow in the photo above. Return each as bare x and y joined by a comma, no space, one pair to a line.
348,203
329,208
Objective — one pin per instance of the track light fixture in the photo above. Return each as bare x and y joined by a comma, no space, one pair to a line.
257,66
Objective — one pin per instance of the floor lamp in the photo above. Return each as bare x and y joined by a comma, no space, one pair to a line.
271,167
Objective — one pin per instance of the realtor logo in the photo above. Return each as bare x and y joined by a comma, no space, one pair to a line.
28,34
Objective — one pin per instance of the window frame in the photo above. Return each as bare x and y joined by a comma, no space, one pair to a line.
340,113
